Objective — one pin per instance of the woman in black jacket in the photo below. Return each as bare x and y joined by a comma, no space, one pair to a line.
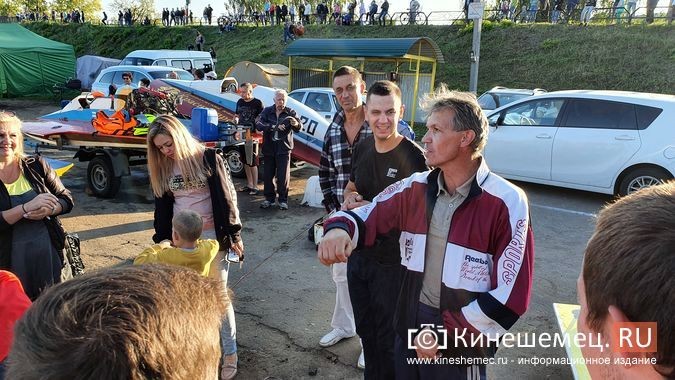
186,175
31,197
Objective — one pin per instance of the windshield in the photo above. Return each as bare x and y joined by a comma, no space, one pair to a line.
182,74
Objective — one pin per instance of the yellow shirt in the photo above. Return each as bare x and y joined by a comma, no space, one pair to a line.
18,187
198,259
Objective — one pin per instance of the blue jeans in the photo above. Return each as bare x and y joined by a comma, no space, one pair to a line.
555,16
532,14
287,35
228,330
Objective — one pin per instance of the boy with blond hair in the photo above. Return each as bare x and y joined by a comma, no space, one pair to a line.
186,250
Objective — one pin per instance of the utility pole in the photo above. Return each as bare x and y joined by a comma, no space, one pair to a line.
475,14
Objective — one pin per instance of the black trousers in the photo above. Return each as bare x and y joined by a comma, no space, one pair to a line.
407,369
373,290
278,166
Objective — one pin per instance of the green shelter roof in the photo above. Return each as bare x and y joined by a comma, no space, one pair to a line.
365,47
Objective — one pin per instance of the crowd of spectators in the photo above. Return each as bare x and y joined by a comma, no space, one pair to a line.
558,11
75,16
375,12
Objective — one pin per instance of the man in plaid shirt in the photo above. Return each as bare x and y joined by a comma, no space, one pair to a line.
349,126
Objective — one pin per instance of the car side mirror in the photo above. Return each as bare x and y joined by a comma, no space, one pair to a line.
496,121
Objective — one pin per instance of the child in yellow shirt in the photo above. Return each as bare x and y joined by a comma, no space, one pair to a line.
187,249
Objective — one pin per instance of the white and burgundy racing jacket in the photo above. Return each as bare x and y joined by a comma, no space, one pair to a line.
489,258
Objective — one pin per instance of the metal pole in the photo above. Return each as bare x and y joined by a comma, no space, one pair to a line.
290,73
415,92
475,13
330,73
474,56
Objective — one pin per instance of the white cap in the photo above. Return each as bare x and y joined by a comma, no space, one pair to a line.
212,75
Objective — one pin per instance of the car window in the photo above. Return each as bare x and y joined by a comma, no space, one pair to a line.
182,64
542,112
504,99
487,102
318,101
601,114
297,95
160,62
117,79
204,64
646,115
492,120
184,75
107,77
138,76
137,61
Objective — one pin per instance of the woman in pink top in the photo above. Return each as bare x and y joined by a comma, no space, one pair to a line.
186,175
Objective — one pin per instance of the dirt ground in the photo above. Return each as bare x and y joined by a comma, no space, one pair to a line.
283,296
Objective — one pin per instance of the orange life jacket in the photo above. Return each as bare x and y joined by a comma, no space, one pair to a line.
114,124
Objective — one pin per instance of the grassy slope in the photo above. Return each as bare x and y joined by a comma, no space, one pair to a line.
555,57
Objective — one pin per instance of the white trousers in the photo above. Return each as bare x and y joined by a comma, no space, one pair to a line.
343,315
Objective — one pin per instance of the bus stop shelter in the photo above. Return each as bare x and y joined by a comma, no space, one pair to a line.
411,62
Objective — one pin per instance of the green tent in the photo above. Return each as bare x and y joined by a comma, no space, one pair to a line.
31,64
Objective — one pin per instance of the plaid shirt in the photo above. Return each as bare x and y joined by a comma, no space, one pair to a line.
336,159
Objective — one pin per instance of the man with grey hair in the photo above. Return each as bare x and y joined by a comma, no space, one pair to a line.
277,123
466,246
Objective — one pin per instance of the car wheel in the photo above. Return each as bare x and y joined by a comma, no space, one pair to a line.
235,161
101,178
642,178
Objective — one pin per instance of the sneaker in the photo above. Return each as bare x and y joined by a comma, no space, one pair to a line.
232,256
361,364
266,204
245,189
333,337
283,206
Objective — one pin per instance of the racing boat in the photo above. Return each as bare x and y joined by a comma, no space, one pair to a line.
110,155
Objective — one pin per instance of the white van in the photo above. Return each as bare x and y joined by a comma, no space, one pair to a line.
182,59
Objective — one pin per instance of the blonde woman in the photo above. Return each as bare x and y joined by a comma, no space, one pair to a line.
31,197
186,175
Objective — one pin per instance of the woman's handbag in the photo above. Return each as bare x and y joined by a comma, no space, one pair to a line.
72,254
72,260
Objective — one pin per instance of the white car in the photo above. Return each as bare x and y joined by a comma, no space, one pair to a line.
113,75
610,142
320,99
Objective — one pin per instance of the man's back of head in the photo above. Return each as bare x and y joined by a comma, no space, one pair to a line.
627,276
145,322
